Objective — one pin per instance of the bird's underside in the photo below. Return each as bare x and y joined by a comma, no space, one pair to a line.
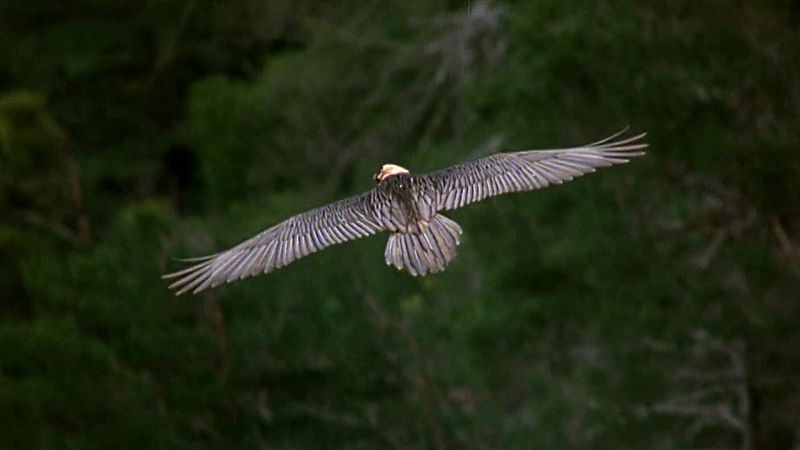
408,207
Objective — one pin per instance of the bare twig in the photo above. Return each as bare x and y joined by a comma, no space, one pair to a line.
710,394
214,310
784,243
36,220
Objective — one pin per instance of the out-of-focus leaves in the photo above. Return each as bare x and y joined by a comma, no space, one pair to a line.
651,303
29,136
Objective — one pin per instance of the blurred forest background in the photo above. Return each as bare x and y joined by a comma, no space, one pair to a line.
653,305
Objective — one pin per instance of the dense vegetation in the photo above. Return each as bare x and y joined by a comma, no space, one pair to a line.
654,305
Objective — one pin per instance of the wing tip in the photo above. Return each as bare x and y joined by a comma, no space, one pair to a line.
194,277
611,137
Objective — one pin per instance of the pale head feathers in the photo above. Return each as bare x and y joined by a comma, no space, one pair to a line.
388,170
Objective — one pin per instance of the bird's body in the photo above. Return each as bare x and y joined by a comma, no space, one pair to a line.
421,240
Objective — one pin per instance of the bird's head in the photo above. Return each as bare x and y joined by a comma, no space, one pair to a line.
388,170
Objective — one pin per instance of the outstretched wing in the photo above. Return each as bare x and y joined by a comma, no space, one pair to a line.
502,173
292,239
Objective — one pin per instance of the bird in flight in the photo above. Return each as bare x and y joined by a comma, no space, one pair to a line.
421,240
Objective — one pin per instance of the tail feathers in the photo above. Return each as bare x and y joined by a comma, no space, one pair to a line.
429,250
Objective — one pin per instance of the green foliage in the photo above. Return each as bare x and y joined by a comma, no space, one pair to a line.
650,305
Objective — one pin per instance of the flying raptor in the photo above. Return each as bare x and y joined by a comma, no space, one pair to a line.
421,239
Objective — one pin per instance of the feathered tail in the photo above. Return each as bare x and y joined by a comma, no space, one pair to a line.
429,250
